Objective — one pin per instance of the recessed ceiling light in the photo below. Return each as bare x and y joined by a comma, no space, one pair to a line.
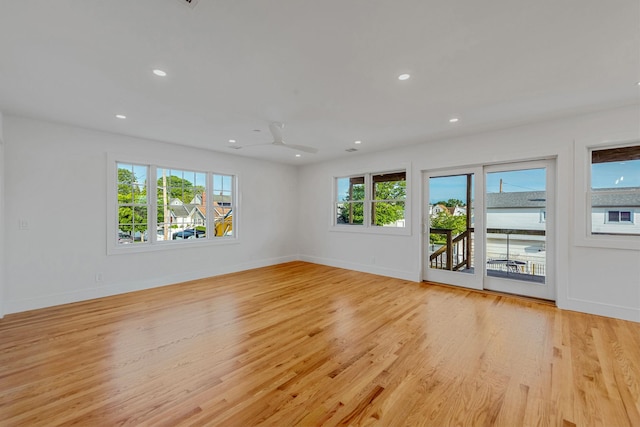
233,141
160,73
453,120
404,76
638,83
121,116
298,155
357,142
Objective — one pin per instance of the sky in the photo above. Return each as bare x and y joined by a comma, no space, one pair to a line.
604,175
616,174
454,187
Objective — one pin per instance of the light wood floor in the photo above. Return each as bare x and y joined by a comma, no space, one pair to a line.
303,344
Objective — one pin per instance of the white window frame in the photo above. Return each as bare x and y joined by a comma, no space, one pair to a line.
368,203
153,244
583,235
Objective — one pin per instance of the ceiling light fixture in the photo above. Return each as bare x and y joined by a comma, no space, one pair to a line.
121,116
453,120
160,73
357,142
233,141
298,155
404,76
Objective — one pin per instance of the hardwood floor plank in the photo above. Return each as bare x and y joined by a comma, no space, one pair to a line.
310,345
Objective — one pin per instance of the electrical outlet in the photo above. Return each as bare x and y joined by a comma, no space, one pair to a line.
23,224
99,277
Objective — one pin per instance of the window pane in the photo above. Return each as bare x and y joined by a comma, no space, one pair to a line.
132,199
222,200
390,186
350,188
615,185
388,214
350,213
181,204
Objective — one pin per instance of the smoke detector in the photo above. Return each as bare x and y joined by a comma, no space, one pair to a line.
190,3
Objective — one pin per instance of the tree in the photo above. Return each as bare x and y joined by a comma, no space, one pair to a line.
388,204
444,220
131,218
179,188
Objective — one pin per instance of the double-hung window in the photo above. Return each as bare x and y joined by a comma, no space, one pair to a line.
159,206
615,190
371,200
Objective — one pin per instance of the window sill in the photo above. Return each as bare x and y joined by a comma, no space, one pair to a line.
389,231
175,245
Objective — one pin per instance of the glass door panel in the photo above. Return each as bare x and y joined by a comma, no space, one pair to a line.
450,248
517,216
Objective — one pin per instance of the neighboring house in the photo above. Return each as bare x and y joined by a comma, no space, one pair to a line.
189,215
524,210
615,210
454,210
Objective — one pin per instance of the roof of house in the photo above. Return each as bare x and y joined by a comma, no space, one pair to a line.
607,197
519,199
610,197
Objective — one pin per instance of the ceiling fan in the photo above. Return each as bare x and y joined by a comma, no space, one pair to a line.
276,132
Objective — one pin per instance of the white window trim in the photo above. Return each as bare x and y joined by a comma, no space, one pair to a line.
582,233
366,227
153,245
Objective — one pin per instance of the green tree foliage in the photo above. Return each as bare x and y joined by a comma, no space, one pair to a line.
444,220
131,218
385,212
179,188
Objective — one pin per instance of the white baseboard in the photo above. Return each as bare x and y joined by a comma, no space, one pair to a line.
600,309
381,271
16,306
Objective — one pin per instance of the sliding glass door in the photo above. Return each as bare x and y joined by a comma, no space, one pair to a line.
491,227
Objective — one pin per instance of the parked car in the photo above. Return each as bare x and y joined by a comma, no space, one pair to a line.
189,233
124,238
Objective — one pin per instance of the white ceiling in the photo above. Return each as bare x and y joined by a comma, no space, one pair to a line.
327,69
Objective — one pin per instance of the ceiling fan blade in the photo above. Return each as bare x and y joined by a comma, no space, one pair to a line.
276,131
302,148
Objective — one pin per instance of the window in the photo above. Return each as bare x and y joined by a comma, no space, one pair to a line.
181,199
350,204
619,216
371,200
132,203
615,190
543,215
178,204
389,194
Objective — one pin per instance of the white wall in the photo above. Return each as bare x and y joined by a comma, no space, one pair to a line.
56,179
591,279
2,239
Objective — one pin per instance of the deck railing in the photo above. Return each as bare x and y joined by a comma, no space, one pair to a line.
455,254
443,257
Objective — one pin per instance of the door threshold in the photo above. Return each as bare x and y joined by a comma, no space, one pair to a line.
496,293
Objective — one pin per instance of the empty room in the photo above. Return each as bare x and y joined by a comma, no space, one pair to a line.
297,213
